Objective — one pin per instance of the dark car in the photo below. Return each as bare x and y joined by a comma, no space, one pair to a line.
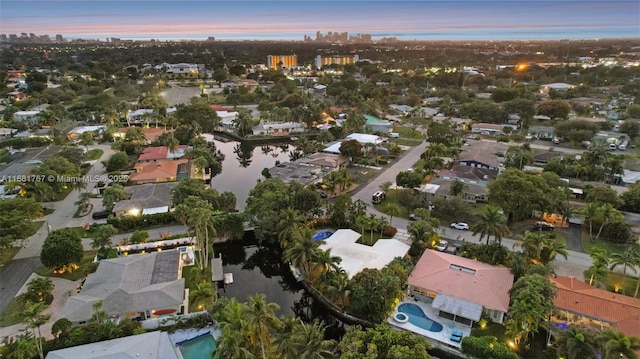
322,194
101,215
543,226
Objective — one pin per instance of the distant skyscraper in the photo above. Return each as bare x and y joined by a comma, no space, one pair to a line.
322,61
279,61
59,38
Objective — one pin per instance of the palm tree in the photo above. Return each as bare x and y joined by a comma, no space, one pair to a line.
575,343
551,247
34,321
492,223
302,251
202,295
608,214
598,271
310,341
197,215
566,211
392,209
456,187
627,259
591,212
531,244
616,345
39,289
262,319
231,345
290,222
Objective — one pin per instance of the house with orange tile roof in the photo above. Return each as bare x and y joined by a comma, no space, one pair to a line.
161,171
161,153
579,303
461,289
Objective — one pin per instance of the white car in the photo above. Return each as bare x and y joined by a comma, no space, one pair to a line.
442,245
460,226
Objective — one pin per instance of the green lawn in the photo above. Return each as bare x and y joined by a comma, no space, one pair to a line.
12,314
6,255
406,132
368,239
587,244
614,279
85,234
392,198
492,329
85,267
33,228
93,155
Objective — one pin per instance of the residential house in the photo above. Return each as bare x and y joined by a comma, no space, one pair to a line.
161,153
326,160
75,133
378,124
470,173
7,132
490,128
150,134
362,138
39,133
577,302
473,191
542,158
139,286
460,288
278,128
161,171
183,69
155,344
148,198
26,116
227,118
482,154
357,257
298,172
557,86
542,132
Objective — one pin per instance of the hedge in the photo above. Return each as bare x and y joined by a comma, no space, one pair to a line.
25,142
487,347
129,223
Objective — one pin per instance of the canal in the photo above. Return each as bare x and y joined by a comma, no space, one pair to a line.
243,164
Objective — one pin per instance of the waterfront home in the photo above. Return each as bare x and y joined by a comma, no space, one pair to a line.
161,171
278,128
148,198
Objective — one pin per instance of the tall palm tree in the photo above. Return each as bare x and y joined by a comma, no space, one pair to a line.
599,270
202,295
231,345
393,210
309,338
492,223
290,222
262,320
302,252
591,213
627,259
34,319
616,345
608,214
197,215
552,247
574,343
531,244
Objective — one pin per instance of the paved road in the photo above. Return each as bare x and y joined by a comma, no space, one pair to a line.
27,260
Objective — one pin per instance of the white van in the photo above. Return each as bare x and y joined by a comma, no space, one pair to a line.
378,197
394,135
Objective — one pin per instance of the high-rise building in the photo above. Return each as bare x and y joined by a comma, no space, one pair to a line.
280,61
336,60
59,38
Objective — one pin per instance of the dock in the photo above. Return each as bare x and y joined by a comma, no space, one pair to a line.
217,274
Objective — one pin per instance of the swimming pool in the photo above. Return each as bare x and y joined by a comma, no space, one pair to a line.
322,235
418,318
199,348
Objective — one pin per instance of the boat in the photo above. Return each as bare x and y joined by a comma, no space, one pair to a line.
228,278
296,273
294,138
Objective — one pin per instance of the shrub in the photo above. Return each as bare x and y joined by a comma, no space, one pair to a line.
144,221
487,347
616,232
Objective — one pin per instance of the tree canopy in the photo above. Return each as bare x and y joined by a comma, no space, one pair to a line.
60,248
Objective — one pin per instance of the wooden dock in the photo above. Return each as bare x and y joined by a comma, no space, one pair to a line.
217,274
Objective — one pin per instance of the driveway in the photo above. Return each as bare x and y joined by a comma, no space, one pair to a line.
176,95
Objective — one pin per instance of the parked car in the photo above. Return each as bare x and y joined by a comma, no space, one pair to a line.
442,245
412,217
457,242
101,215
543,226
460,225
322,194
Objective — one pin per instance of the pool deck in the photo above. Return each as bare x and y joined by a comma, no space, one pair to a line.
184,335
443,336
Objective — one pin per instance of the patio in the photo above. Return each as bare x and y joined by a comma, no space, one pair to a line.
443,336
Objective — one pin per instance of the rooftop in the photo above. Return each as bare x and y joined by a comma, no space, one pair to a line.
463,278
299,172
356,257
146,196
579,297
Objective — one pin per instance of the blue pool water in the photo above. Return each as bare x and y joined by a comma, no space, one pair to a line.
198,348
418,318
322,235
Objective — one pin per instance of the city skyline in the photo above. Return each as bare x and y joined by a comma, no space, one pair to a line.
289,20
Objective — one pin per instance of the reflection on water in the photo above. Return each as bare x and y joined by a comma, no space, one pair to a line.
258,269
243,164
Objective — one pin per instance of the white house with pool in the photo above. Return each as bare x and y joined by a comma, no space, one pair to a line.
448,293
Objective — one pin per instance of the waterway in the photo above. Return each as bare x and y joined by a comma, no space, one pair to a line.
259,269
243,164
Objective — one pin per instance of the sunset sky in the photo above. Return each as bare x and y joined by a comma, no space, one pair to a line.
290,20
